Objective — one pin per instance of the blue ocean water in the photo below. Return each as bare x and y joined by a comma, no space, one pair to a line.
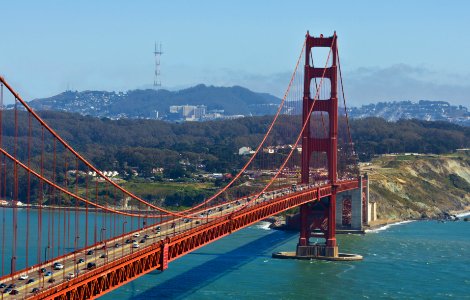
417,260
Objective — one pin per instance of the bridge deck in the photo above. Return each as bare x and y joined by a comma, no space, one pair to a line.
174,239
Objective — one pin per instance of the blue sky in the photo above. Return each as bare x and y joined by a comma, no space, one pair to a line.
390,50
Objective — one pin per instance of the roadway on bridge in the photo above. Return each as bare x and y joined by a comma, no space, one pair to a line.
120,247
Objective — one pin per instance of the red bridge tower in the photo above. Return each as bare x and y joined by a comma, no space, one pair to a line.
319,215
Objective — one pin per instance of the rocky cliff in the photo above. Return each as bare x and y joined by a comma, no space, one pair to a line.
419,186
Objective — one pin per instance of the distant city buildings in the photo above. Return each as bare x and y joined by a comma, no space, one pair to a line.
423,110
197,113
189,112
269,150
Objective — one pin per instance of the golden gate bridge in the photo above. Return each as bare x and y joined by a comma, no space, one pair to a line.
75,241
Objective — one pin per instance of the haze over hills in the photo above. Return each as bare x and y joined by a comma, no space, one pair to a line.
225,102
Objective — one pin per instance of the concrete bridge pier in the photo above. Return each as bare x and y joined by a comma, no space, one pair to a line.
349,214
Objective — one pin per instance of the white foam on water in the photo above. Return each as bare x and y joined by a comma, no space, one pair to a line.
263,225
385,227
464,214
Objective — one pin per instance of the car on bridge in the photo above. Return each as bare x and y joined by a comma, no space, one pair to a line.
91,265
58,266
24,276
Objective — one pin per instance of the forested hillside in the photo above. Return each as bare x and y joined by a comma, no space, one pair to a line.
146,144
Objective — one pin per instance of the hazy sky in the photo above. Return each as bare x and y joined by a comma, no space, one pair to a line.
390,50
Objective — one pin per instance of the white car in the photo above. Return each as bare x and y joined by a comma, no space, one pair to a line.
58,266
135,245
136,234
70,275
24,277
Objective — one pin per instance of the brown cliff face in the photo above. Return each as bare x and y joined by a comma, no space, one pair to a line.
419,186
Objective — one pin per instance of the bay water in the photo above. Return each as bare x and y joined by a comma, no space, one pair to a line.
416,260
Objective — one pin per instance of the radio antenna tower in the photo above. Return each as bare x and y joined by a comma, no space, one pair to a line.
158,52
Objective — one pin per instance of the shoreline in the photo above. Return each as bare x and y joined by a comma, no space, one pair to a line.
381,225
461,213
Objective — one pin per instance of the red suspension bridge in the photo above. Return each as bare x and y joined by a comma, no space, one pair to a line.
74,239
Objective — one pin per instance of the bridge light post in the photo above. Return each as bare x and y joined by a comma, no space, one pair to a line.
122,246
75,255
13,265
101,234
46,251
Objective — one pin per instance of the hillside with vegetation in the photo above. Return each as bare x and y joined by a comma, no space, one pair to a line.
145,104
184,152
419,186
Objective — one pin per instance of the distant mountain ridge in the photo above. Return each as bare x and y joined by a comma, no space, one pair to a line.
234,100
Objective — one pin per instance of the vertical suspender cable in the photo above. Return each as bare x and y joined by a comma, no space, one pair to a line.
77,221
28,196
15,187
87,196
3,178
52,198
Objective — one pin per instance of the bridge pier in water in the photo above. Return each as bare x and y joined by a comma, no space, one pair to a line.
349,214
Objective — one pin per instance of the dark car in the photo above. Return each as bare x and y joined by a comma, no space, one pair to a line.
128,241
103,255
142,240
7,290
91,265
2,285
14,292
158,228
51,280
146,236
31,280
117,245
12,286
35,290
90,252
80,260
42,270
173,225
